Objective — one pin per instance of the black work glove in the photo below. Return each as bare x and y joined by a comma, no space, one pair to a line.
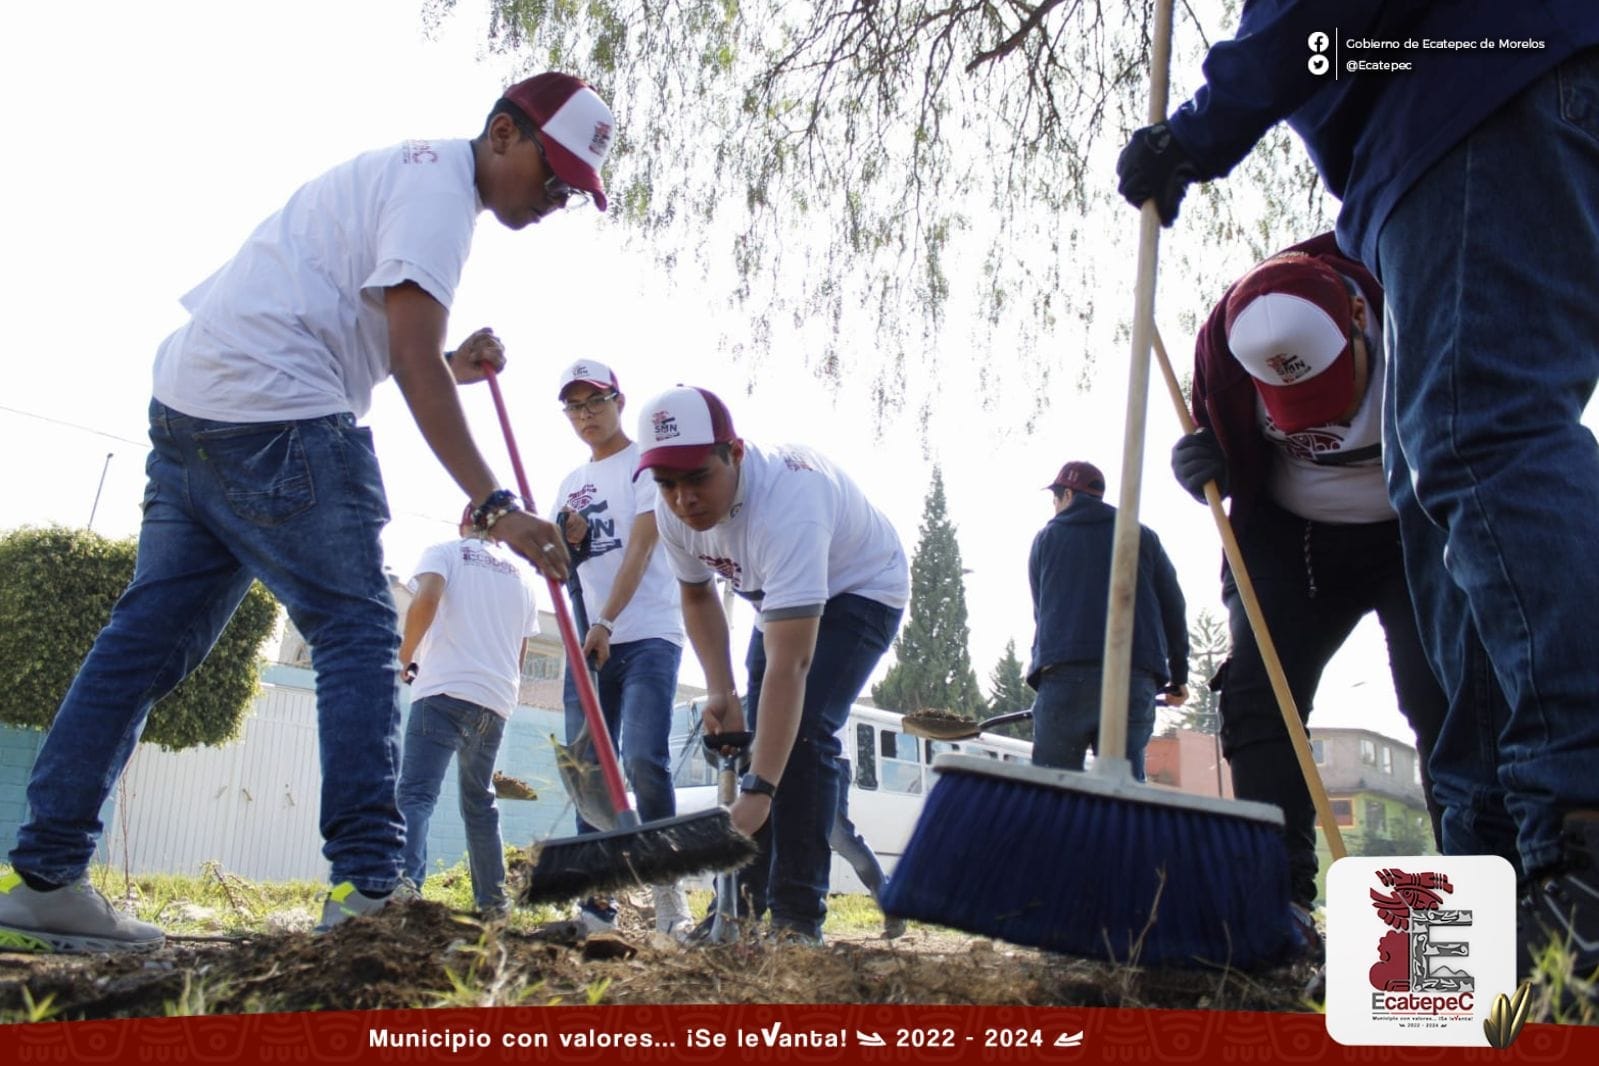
1154,166
1198,458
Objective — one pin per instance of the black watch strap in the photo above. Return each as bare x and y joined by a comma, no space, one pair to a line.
757,784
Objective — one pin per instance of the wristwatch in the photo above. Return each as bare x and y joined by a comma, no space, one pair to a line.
757,784
606,624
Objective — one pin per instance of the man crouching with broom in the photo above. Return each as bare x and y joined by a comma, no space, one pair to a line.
826,573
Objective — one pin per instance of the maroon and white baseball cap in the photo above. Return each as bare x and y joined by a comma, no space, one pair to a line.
1079,477
576,126
1288,323
678,429
589,372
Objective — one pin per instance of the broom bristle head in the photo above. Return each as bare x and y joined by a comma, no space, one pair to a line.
647,854
1098,875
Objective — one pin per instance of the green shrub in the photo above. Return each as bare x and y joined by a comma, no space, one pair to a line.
57,588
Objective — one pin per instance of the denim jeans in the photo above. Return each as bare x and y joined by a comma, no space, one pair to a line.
637,686
1315,581
1494,331
440,727
298,505
1066,716
845,839
791,872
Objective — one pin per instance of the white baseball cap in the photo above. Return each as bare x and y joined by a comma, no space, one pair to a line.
589,372
1289,322
576,126
679,429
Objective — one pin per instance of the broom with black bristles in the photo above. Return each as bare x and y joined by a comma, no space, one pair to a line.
1096,863
632,853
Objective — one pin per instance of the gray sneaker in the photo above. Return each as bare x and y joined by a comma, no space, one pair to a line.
345,901
71,919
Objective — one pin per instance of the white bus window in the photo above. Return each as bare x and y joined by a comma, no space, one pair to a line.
901,769
940,747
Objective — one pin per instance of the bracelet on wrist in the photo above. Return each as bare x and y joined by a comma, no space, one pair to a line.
496,506
606,624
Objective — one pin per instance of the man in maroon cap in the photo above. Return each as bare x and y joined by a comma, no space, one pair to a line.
1069,573
1287,395
259,471
829,581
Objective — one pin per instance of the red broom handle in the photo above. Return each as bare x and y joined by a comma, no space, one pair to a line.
563,618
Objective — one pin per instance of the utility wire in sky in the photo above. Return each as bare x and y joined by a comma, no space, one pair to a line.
74,425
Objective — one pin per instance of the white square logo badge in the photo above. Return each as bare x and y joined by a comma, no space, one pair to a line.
1418,947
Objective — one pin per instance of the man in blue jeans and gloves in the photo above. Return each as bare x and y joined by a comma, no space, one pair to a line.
473,607
1492,333
829,580
1069,573
259,471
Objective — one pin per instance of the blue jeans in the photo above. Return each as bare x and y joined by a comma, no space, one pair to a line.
1494,332
1066,716
298,505
440,727
845,839
791,873
637,686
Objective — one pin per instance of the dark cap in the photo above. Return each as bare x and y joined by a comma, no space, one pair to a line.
1079,477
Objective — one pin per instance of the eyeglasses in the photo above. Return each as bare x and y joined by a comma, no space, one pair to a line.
559,192
593,405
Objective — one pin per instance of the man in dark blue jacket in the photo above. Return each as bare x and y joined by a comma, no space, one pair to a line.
1469,175
1069,571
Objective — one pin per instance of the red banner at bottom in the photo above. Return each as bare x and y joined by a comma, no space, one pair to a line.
759,1033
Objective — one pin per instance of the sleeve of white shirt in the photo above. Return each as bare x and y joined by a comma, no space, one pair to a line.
424,232
794,555
435,560
645,496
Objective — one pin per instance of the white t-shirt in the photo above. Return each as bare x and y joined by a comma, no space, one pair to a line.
800,533
1333,472
472,651
606,495
293,326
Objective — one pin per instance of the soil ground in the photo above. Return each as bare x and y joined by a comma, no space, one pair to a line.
422,954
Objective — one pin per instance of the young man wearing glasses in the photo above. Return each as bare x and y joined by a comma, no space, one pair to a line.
628,597
259,471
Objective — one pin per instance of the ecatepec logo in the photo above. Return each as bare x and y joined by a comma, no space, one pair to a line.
664,425
1418,947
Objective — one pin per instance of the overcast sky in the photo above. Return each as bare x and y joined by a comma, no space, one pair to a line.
145,142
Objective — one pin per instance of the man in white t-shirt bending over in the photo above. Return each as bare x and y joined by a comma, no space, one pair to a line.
258,470
472,610
629,601
828,578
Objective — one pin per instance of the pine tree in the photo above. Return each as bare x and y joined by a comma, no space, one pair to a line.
1209,644
933,665
1009,684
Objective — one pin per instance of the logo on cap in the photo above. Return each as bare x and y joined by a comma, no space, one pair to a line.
600,143
1289,367
665,424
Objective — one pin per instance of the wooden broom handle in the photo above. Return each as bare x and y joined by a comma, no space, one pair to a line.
1119,614
1257,622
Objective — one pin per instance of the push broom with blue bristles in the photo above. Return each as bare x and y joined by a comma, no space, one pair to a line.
1098,864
